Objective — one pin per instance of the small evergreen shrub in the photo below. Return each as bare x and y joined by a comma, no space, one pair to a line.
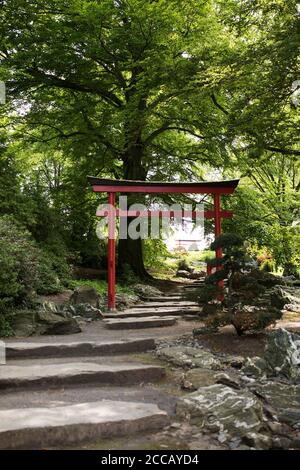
238,306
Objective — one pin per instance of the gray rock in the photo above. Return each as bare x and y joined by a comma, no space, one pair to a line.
290,416
283,295
235,443
48,306
234,361
24,323
126,300
205,330
228,379
275,427
283,354
281,442
145,290
255,367
191,357
295,443
279,395
292,308
50,323
183,273
201,377
257,440
86,311
243,447
85,295
221,409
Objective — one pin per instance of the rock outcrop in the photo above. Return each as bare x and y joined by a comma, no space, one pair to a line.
286,297
189,357
85,295
219,408
281,358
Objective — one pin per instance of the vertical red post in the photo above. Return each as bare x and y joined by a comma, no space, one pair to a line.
111,252
217,216
218,228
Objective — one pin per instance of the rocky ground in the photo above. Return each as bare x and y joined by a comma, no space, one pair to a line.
240,402
69,312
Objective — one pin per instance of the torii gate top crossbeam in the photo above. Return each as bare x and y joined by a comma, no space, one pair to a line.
130,186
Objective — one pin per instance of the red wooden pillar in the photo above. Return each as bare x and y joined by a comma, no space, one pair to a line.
111,252
217,216
218,228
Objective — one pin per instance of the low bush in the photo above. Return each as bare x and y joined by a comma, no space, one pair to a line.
243,302
183,265
26,269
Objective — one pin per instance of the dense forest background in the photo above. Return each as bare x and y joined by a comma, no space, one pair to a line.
139,89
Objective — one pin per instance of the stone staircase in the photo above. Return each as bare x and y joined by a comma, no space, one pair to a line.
41,370
154,312
58,392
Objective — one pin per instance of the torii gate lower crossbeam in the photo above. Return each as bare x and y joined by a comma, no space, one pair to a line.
111,187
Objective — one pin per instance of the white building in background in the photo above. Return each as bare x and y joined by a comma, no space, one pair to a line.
186,237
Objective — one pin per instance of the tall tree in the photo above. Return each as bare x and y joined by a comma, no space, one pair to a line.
131,83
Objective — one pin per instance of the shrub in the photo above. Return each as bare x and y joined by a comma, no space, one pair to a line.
25,268
267,266
208,293
183,265
244,318
232,261
154,252
18,259
242,289
5,327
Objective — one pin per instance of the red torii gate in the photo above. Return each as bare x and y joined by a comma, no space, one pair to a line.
111,187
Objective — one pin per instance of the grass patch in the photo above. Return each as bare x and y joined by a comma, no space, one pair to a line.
100,286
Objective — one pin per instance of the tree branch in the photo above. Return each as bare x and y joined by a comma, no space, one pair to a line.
283,151
218,105
167,127
58,82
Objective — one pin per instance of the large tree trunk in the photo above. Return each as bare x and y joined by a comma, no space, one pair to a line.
130,252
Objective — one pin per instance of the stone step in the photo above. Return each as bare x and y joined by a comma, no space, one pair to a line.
77,373
136,322
33,428
157,312
163,299
194,285
25,350
182,303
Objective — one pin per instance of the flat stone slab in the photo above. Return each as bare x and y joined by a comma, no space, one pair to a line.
173,303
34,428
77,372
88,348
169,298
136,322
194,286
157,312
